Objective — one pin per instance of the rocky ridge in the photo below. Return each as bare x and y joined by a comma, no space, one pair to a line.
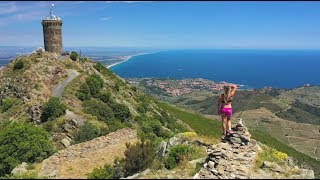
77,160
236,156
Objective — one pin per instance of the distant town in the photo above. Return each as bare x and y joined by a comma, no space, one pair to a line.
179,87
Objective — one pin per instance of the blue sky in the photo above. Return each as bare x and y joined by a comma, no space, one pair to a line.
190,24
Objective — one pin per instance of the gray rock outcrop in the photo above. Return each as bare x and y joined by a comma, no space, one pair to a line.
235,158
20,169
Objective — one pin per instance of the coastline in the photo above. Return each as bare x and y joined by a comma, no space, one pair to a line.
128,58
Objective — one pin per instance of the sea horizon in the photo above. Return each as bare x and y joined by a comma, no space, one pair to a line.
133,59
285,78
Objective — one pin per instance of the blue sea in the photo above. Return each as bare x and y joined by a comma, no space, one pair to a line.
252,68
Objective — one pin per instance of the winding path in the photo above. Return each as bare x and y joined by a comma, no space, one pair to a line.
59,88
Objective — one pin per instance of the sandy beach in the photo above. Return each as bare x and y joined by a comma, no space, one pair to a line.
126,58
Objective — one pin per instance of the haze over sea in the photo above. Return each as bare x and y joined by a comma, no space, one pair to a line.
252,68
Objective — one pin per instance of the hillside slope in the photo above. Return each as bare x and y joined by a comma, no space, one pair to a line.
290,115
95,103
83,123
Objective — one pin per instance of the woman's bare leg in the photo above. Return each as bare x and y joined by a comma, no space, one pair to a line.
224,124
229,122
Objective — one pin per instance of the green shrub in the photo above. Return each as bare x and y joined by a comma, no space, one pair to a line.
18,65
108,171
6,104
74,55
170,162
134,88
53,109
176,155
141,109
120,111
86,132
105,97
104,70
105,172
84,59
138,157
115,125
84,92
99,109
22,143
99,67
95,84
117,87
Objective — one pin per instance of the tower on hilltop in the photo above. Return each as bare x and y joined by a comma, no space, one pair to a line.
52,32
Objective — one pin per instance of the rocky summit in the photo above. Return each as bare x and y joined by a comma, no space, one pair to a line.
236,156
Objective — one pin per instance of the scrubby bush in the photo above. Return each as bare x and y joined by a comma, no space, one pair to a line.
271,154
18,65
141,109
134,88
108,171
105,172
84,59
177,154
99,67
104,70
74,55
170,162
53,109
117,87
6,104
95,83
99,109
120,111
86,132
152,128
115,125
84,92
105,97
22,143
138,157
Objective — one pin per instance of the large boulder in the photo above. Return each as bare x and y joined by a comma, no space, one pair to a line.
162,149
35,112
20,169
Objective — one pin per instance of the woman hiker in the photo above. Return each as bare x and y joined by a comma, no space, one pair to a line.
225,108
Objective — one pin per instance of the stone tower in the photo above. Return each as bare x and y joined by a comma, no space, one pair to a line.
52,33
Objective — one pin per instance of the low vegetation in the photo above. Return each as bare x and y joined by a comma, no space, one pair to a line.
212,128
53,109
137,158
18,64
99,109
179,154
274,143
86,132
74,56
22,143
7,103
271,155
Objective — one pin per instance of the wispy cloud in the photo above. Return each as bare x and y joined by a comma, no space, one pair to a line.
8,8
105,18
12,12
